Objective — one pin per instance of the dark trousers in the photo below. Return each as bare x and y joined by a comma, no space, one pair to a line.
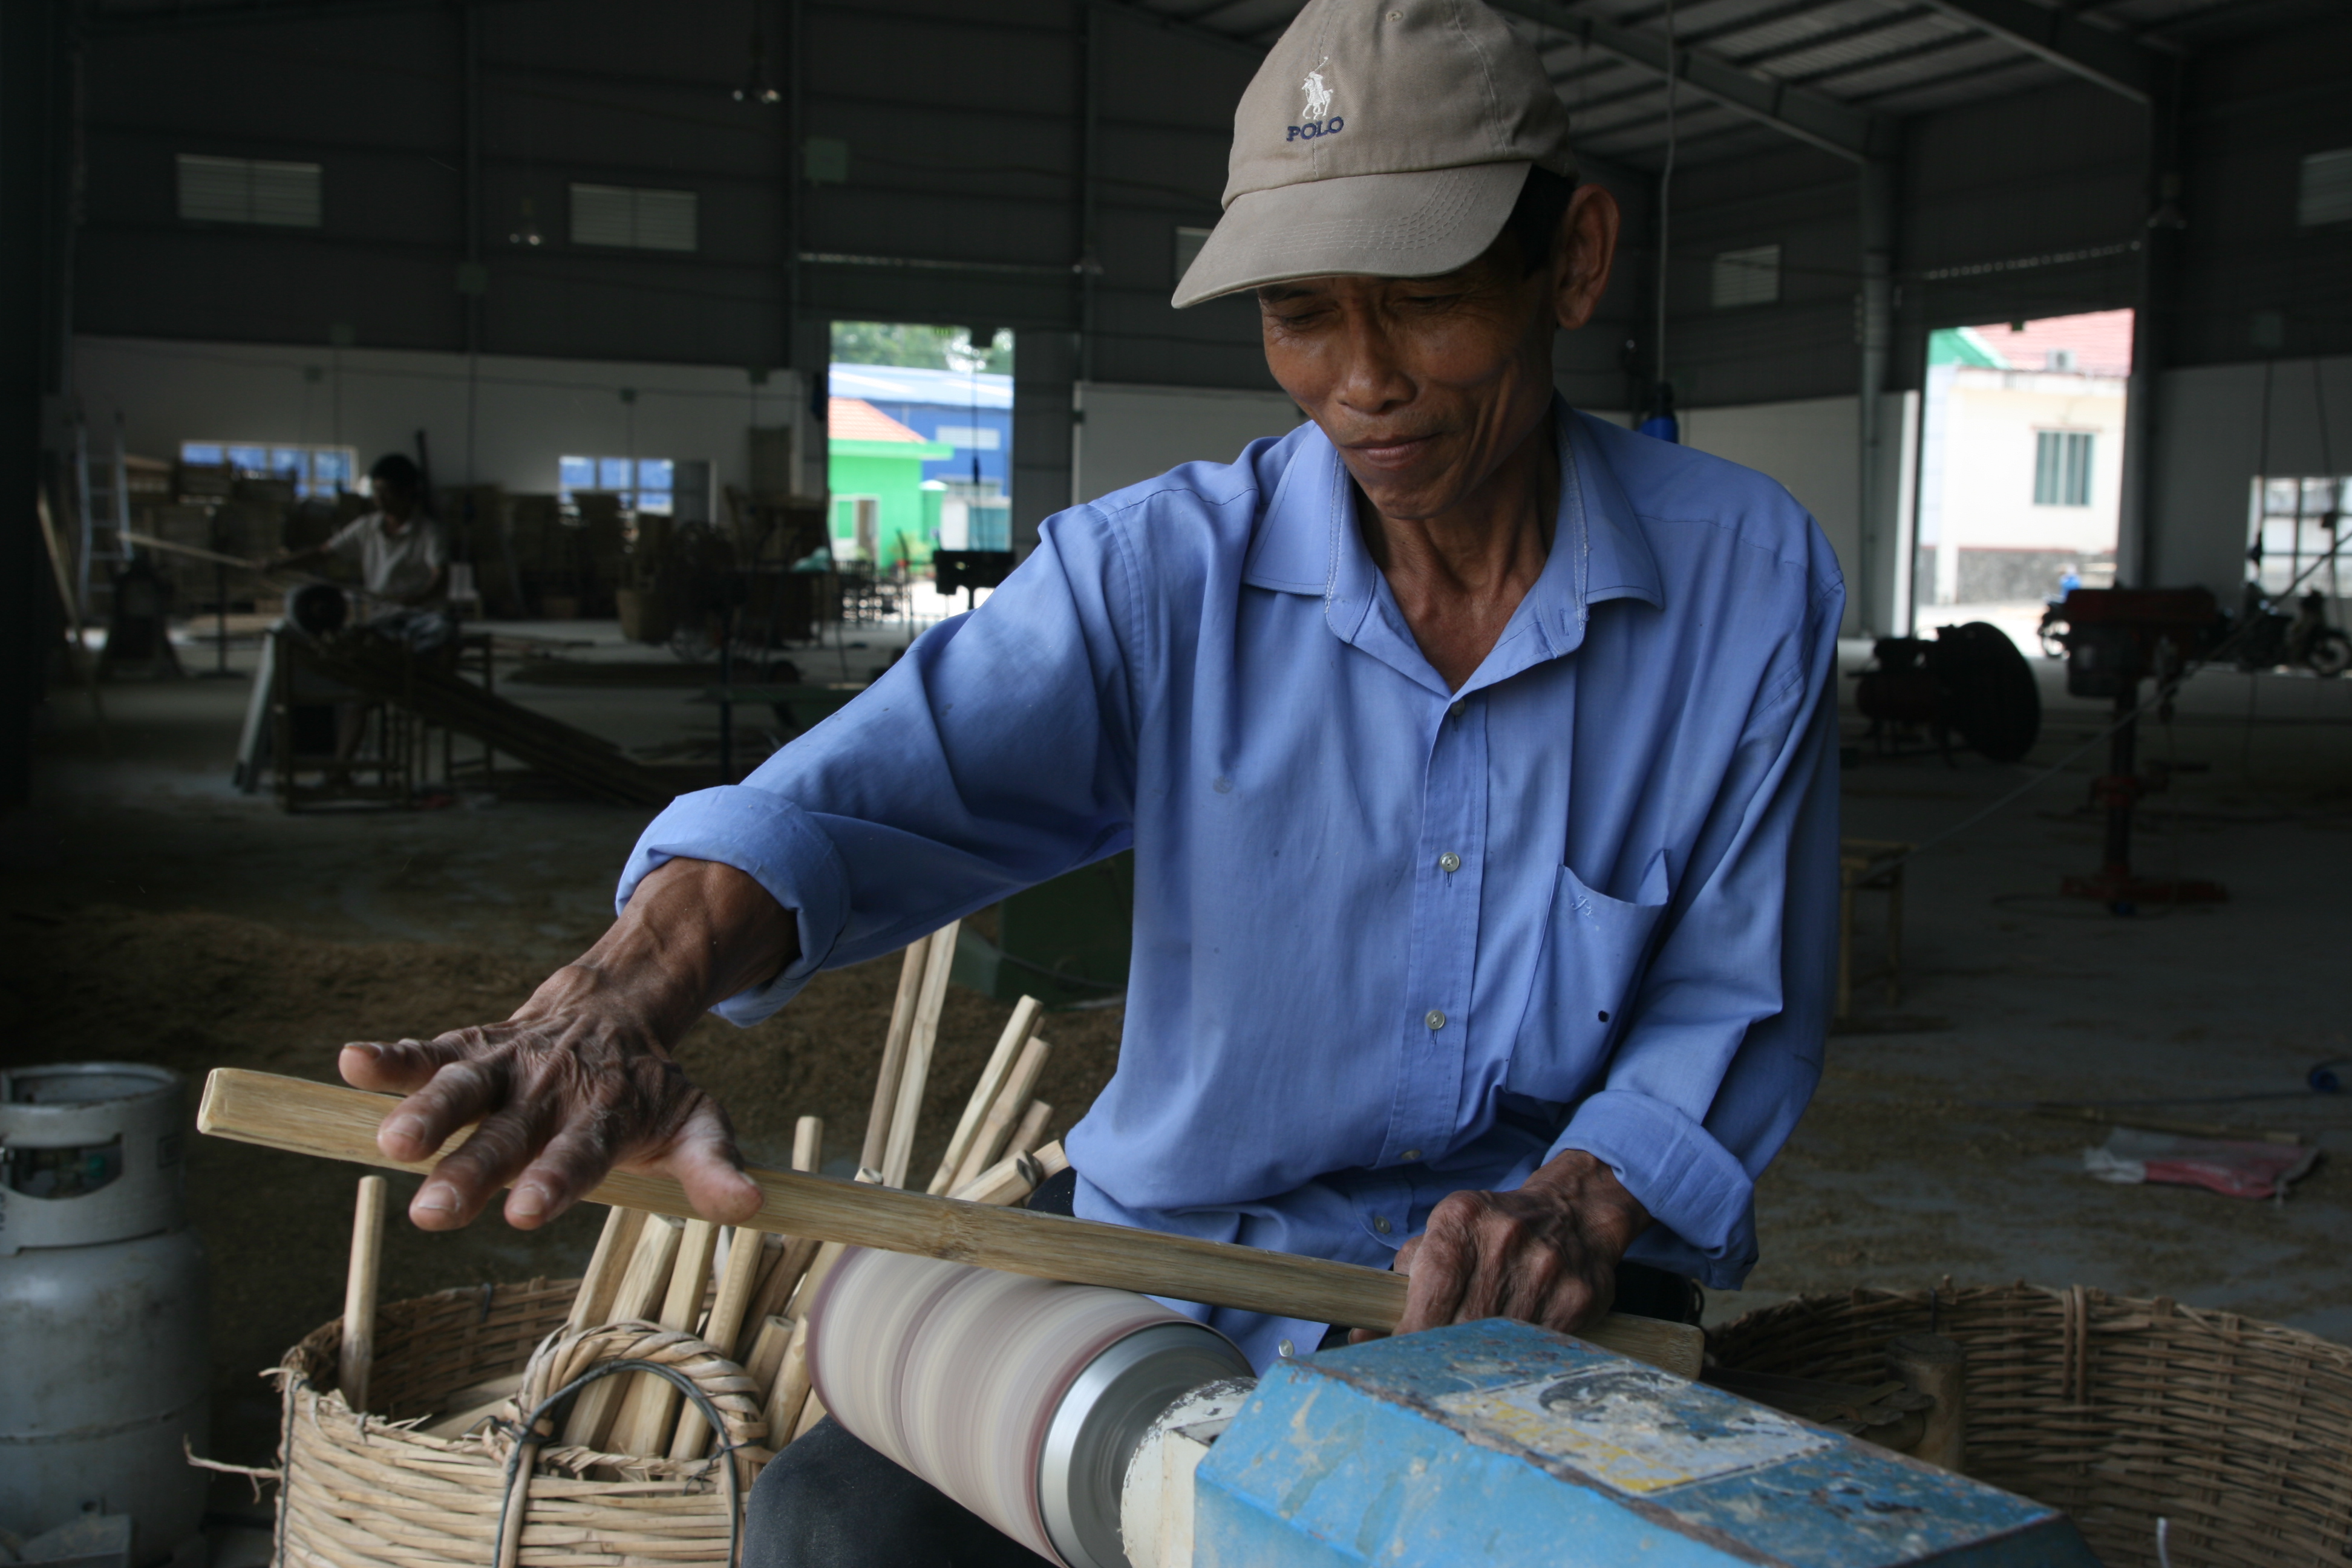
830,1501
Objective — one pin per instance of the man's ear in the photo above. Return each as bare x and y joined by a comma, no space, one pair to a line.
1582,252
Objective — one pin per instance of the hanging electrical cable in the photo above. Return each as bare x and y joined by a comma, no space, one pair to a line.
1659,421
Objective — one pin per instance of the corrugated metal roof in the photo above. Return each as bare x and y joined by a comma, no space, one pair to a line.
1889,57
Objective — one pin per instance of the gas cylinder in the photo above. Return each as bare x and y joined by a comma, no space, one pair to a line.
102,1304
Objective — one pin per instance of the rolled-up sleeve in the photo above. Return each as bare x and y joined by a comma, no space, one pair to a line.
998,752
1724,1045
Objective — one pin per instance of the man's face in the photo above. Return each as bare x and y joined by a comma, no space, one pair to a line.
1425,385
395,499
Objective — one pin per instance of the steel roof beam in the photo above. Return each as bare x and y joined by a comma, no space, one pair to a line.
1812,117
2116,61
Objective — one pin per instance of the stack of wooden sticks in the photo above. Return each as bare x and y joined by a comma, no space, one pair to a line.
745,1292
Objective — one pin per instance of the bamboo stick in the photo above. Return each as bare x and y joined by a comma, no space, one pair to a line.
1008,1181
615,1245
1010,1101
593,1413
1052,1160
652,1403
780,1274
911,968
469,1406
915,1074
790,1392
722,1328
784,1278
766,1354
1032,1130
358,1358
1017,1030
305,1116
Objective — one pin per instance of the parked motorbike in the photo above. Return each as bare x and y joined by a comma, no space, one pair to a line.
2304,640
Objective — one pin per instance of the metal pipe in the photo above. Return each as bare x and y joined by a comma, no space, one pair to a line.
1874,324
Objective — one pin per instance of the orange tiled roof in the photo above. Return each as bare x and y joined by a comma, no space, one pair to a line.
855,419
2101,341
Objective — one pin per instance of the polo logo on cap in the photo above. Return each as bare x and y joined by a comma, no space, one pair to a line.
1320,121
1318,94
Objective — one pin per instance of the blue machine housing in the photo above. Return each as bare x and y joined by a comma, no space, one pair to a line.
1499,1444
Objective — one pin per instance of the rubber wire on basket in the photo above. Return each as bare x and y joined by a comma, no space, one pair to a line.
724,1457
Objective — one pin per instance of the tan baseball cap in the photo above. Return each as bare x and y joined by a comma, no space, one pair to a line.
1381,138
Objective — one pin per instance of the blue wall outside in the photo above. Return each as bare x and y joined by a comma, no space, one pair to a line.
926,400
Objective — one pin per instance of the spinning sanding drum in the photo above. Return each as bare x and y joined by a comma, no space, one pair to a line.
1022,1399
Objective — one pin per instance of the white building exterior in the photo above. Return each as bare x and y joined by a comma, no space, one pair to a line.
2020,472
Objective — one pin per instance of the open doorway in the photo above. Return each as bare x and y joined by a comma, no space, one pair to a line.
920,435
2020,468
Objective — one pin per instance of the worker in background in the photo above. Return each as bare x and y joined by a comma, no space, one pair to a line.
1476,755
403,561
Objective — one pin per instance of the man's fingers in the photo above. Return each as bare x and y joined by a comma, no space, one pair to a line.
1440,1273
704,1159
463,1090
1529,1276
397,1067
1577,1302
571,1166
494,1154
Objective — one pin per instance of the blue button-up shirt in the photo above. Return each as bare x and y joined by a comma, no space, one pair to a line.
1391,940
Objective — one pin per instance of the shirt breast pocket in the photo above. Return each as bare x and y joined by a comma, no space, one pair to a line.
1593,955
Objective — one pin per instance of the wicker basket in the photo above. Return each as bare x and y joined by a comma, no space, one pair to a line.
366,1491
2118,1411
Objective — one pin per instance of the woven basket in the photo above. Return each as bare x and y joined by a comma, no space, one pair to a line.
364,1490
2118,1411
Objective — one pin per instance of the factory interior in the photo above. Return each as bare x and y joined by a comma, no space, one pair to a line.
727,351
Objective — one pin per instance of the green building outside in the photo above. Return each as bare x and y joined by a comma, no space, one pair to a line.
882,510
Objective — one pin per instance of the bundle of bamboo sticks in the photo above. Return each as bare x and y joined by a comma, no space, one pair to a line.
746,1292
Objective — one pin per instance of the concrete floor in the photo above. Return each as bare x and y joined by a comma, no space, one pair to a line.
1919,1158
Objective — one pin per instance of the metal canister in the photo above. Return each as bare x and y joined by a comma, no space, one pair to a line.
102,1304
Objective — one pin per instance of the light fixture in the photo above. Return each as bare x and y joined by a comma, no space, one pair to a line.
757,88
526,232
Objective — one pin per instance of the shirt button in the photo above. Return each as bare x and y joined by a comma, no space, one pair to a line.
1433,1018
1449,862
1410,1155
1286,1349
1381,1223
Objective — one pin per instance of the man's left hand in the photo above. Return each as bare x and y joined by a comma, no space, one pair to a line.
1545,1254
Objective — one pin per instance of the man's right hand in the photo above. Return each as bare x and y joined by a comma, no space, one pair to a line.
581,1079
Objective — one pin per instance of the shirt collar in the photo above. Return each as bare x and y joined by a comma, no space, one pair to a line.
1307,542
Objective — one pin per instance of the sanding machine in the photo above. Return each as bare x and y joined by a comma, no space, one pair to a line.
1103,1430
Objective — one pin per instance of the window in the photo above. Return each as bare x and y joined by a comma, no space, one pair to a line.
633,219
972,437
2293,531
1188,249
312,470
1749,277
656,490
2062,467
246,190
2325,196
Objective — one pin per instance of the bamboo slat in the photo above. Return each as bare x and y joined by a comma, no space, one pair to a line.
329,1121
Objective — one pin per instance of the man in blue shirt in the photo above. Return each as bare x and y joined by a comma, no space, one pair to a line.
1477,756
